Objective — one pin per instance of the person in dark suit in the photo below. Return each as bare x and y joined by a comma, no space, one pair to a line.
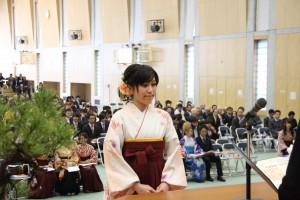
83,119
92,129
215,120
188,111
268,118
275,125
76,124
205,143
289,188
211,131
103,123
77,102
291,118
227,117
236,122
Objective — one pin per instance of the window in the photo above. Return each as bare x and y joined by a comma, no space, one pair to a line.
261,75
189,73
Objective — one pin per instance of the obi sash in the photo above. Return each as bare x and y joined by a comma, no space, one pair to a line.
84,158
189,149
145,156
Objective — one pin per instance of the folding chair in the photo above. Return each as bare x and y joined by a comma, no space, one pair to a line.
218,149
267,137
224,132
241,134
230,153
100,142
243,147
257,139
222,141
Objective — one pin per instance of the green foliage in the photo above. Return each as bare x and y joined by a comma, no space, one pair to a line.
35,126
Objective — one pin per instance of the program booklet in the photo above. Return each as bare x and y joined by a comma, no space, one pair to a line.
271,170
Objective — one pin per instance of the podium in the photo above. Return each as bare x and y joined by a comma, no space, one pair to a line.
258,190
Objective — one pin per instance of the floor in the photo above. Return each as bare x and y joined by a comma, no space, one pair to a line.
239,178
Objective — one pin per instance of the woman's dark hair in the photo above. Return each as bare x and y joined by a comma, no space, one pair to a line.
83,134
137,74
284,127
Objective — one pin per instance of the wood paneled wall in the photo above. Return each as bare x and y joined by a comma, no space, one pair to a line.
24,21
78,18
49,27
222,72
287,14
222,16
166,64
5,24
287,73
115,20
162,9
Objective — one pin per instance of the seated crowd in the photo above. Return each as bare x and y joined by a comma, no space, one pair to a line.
196,128
19,84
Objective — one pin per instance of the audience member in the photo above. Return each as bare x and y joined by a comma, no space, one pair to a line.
89,176
190,148
209,155
271,113
285,138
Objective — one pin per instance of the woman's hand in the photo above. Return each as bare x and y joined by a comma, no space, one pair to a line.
163,187
142,188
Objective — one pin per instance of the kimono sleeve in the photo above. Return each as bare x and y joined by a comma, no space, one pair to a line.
173,172
120,176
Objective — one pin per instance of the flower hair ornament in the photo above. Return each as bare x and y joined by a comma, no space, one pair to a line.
125,91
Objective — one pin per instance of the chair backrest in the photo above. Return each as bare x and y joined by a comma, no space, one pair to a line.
257,126
263,130
222,141
100,142
217,147
228,146
240,133
223,130
102,134
242,145
213,141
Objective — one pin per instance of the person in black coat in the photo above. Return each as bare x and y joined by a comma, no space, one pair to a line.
289,188
205,143
103,123
92,129
291,118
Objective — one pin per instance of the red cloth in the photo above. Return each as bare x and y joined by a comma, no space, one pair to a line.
46,183
90,179
146,159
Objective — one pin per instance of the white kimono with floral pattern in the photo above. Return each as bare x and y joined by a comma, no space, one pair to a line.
125,125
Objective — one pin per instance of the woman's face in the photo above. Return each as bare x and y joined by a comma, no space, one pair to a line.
189,132
144,94
82,140
288,126
234,113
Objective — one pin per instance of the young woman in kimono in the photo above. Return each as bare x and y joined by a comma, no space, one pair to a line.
68,182
43,181
285,138
89,176
141,147
190,150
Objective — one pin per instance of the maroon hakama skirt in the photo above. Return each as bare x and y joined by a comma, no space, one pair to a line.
46,182
146,159
90,179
